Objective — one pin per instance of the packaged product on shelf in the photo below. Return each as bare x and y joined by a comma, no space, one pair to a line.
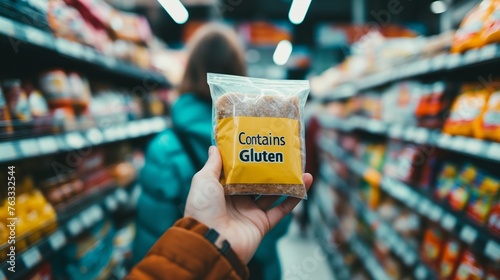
432,246
400,101
446,180
56,87
467,110
451,257
494,218
260,123
388,210
80,91
460,192
42,120
470,268
491,31
391,167
410,162
482,196
41,272
17,103
430,171
88,256
407,224
490,121
468,35
5,119
66,22
432,104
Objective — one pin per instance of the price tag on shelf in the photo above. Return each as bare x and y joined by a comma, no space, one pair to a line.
459,143
421,273
89,54
110,62
75,226
439,62
29,147
57,240
86,218
8,151
488,52
444,140
421,135
400,249
493,151
396,131
69,48
448,222
413,200
36,36
94,136
474,146
96,213
121,195
7,27
471,56
31,257
409,133
410,259
492,250
468,234
110,134
435,213
133,129
423,207
111,203
453,60
75,140
48,144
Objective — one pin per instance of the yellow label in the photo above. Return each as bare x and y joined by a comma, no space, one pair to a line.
260,150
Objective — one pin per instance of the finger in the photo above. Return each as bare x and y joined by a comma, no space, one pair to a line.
279,212
213,165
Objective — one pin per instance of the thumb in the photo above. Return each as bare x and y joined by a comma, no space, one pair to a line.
213,165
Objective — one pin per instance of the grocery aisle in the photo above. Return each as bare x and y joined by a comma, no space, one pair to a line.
310,263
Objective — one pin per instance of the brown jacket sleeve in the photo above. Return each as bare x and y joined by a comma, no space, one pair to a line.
183,252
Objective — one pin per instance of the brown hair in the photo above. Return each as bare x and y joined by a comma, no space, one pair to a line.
213,48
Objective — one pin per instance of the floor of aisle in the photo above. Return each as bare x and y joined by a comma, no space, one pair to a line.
302,257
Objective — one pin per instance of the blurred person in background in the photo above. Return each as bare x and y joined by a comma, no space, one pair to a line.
174,156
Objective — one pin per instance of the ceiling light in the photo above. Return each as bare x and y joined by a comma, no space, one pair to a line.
282,52
438,7
176,10
298,10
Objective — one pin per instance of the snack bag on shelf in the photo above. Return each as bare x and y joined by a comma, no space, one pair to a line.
494,218
446,180
482,198
468,35
432,246
490,121
470,268
491,31
467,110
450,259
5,121
258,128
461,190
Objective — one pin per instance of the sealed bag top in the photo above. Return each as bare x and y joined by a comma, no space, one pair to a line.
258,127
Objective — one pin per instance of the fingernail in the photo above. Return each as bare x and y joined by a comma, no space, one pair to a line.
211,150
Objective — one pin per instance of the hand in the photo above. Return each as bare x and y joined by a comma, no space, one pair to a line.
240,219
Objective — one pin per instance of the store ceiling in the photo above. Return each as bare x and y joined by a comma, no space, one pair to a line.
335,11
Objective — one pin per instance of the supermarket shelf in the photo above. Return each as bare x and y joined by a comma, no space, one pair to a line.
45,145
384,232
445,64
68,230
478,237
17,31
369,261
465,145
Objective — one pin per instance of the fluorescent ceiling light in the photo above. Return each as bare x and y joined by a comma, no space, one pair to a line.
298,10
176,10
438,7
282,52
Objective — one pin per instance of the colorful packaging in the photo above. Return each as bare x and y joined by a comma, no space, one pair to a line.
56,88
482,197
5,121
432,246
470,268
491,31
490,121
468,35
467,110
460,192
450,259
446,180
494,218
259,130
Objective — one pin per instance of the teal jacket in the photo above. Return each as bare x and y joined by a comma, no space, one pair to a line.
166,177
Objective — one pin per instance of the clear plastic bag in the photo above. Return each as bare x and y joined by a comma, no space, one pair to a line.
259,130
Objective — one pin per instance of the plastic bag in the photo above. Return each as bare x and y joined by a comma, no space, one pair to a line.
259,130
